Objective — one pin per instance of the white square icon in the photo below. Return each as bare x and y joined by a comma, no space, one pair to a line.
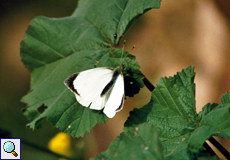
10,148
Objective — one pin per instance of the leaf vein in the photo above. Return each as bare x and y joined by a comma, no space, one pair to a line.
56,52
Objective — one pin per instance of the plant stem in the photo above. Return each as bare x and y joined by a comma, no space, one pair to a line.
148,84
209,149
219,147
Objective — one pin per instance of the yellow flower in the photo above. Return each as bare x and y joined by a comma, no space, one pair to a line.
61,144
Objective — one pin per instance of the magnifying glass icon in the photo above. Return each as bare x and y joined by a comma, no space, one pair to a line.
9,147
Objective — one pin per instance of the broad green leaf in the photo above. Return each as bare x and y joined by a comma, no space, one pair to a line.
174,98
172,112
49,40
113,16
140,142
62,108
55,48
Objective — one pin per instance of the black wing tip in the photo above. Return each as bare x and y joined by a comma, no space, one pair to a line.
70,79
116,73
69,82
107,88
121,105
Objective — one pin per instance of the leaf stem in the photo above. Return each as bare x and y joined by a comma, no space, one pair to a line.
218,146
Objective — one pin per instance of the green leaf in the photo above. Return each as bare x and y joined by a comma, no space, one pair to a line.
138,116
172,112
218,121
55,48
225,98
140,142
50,40
113,16
174,98
63,109
206,109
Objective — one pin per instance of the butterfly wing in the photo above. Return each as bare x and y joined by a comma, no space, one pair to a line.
88,85
115,98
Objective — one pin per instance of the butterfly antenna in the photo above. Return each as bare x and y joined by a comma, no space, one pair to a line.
115,38
123,48
122,52
132,48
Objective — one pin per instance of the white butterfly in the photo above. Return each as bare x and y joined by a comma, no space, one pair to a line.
99,88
